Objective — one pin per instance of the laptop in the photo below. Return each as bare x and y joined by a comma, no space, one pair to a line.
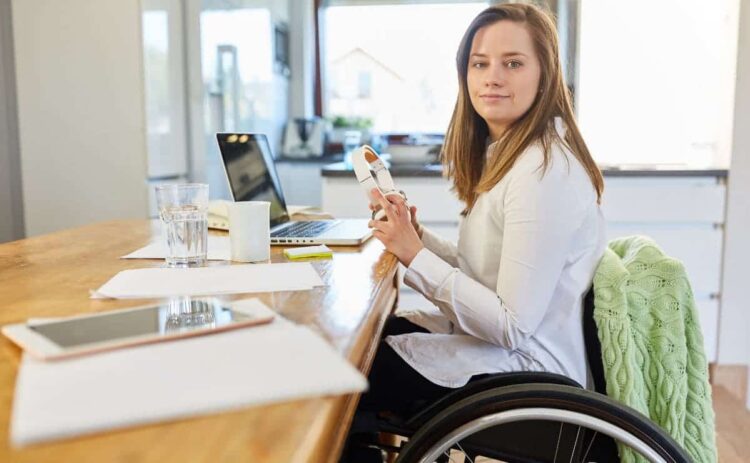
252,176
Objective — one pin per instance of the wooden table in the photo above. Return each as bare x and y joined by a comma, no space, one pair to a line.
51,275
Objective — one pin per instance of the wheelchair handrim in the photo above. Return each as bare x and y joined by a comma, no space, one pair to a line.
548,414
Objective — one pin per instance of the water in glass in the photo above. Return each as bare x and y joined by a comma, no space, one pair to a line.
186,228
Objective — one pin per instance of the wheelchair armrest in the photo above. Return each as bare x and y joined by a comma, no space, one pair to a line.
483,384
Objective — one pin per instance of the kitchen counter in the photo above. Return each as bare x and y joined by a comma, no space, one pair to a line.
327,159
340,169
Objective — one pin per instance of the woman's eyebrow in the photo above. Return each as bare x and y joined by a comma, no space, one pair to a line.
504,55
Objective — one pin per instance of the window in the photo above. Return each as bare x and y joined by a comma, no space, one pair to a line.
164,89
365,81
656,80
393,64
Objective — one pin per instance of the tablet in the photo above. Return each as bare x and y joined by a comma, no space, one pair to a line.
177,318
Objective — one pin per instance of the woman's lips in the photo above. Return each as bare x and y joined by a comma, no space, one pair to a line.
494,97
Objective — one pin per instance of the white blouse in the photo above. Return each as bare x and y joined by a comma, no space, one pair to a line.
511,292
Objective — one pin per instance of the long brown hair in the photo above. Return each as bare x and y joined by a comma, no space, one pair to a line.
465,141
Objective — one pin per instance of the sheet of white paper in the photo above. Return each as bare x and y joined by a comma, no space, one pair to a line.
218,249
204,281
151,383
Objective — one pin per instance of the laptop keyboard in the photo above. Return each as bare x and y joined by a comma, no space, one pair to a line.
305,229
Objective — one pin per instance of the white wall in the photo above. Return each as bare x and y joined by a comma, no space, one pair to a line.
734,345
79,76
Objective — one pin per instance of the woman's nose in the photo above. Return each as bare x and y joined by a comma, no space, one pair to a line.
495,77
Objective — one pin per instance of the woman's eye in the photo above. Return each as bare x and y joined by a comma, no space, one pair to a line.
514,64
479,65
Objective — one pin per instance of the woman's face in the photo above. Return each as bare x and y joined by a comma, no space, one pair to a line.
503,74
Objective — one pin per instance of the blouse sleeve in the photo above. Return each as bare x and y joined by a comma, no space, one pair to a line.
443,248
541,214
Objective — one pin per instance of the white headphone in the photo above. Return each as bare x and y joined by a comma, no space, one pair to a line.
367,163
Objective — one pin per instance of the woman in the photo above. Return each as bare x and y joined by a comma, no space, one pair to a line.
510,292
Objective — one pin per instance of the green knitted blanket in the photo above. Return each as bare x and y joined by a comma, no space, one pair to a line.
652,346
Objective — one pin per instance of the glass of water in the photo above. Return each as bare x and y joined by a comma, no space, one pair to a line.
183,209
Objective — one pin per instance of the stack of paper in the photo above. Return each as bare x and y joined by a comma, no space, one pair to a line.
203,281
206,374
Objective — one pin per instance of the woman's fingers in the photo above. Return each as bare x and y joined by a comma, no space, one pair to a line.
399,206
390,210
396,198
379,235
377,224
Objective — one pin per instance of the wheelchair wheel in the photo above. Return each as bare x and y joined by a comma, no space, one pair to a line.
538,423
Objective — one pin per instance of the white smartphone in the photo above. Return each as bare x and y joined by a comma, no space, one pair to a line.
179,318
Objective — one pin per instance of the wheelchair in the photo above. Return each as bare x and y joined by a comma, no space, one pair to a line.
529,417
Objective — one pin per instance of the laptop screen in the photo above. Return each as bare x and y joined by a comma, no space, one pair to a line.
252,175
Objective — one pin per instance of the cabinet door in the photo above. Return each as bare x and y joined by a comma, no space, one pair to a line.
301,183
433,198
344,197
684,215
664,200
698,246
708,312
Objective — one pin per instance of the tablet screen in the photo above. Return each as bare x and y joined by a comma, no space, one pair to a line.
175,317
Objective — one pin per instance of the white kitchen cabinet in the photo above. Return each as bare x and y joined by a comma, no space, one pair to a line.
697,245
344,197
664,200
300,182
708,313
683,214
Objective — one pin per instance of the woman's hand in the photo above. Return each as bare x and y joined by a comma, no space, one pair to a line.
398,233
412,211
